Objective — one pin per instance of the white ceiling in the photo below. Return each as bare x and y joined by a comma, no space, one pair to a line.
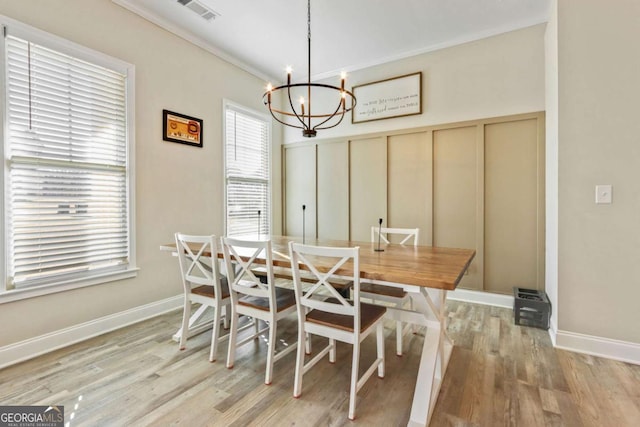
265,36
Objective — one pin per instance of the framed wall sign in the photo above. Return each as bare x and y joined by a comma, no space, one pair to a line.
182,129
384,99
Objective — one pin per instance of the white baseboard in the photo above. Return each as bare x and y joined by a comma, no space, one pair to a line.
33,347
553,332
596,346
478,297
18,352
623,351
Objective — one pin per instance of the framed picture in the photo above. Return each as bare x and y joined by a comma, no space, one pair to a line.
182,129
384,99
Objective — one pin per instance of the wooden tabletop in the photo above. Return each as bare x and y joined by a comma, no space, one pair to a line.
427,266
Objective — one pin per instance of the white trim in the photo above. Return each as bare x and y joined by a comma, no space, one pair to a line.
67,47
553,332
450,43
211,48
4,172
131,163
52,288
478,297
95,57
191,38
623,351
33,347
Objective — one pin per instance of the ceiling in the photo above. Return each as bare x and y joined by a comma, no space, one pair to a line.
265,36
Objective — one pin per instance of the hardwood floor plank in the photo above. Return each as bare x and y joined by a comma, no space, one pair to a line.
530,412
548,401
583,387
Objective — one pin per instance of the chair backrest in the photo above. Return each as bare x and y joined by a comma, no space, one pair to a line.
240,257
322,295
198,257
384,232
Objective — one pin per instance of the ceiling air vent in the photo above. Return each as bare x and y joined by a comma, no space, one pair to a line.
199,8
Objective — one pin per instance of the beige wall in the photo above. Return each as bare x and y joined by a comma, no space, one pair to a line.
598,129
496,76
178,188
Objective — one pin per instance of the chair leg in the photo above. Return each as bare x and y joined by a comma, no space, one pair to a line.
414,328
380,348
332,352
398,338
227,315
355,364
186,314
256,324
307,344
297,382
233,334
215,333
399,332
271,349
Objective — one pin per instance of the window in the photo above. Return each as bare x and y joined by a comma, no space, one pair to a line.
67,146
247,141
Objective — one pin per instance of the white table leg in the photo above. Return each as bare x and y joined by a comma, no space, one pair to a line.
195,328
436,352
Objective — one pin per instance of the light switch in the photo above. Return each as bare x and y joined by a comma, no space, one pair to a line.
603,194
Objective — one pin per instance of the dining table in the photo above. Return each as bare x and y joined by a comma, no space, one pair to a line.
427,272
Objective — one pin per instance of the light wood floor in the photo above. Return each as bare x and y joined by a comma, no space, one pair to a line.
499,374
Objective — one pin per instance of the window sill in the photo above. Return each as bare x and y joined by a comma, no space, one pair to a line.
52,288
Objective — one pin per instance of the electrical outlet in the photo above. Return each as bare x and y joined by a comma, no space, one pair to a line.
603,194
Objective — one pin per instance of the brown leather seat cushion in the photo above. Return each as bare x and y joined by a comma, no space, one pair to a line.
369,313
209,291
382,290
339,284
285,298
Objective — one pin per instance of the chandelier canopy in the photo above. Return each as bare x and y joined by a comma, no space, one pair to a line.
337,101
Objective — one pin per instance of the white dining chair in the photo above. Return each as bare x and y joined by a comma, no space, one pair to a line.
387,294
203,284
251,297
323,311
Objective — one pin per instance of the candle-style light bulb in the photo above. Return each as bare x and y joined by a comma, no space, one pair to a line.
289,71
343,77
302,105
269,90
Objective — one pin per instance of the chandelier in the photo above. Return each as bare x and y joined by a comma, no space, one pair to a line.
339,100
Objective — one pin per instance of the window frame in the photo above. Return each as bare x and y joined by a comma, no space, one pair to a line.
227,105
59,44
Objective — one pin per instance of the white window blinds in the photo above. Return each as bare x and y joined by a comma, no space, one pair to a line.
68,168
247,173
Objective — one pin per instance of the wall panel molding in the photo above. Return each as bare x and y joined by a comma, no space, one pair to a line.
436,178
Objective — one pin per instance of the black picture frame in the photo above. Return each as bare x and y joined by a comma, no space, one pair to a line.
181,128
